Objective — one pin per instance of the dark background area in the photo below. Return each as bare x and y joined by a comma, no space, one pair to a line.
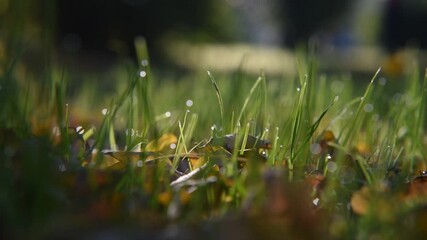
106,29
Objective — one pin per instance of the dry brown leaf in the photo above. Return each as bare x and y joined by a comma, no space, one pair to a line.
417,187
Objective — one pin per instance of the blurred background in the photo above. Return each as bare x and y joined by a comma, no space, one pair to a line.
94,35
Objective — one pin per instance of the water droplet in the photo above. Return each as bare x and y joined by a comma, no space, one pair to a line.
104,111
331,166
298,89
382,81
402,131
139,163
315,148
189,103
131,132
62,168
188,110
144,62
56,131
213,127
368,107
168,114
329,157
266,129
80,130
361,98
172,146
337,87
316,201
142,74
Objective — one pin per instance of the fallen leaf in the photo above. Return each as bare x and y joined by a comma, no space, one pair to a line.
360,201
161,144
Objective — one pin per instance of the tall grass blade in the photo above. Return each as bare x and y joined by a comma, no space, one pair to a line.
356,124
219,97
245,104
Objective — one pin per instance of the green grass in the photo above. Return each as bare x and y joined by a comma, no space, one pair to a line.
358,183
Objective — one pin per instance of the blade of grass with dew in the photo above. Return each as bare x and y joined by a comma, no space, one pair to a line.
245,138
314,127
298,119
273,154
245,104
421,120
146,111
180,145
219,97
355,125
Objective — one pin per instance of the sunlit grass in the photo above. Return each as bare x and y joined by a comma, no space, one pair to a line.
323,151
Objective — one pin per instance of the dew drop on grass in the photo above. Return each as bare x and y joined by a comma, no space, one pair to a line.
144,62
368,107
316,201
298,89
142,74
168,114
402,131
172,146
266,129
337,87
104,111
189,103
331,166
329,157
315,148
139,163
130,132
80,130
62,168
56,131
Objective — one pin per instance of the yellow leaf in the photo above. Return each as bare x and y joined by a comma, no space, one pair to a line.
360,201
162,143
164,198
